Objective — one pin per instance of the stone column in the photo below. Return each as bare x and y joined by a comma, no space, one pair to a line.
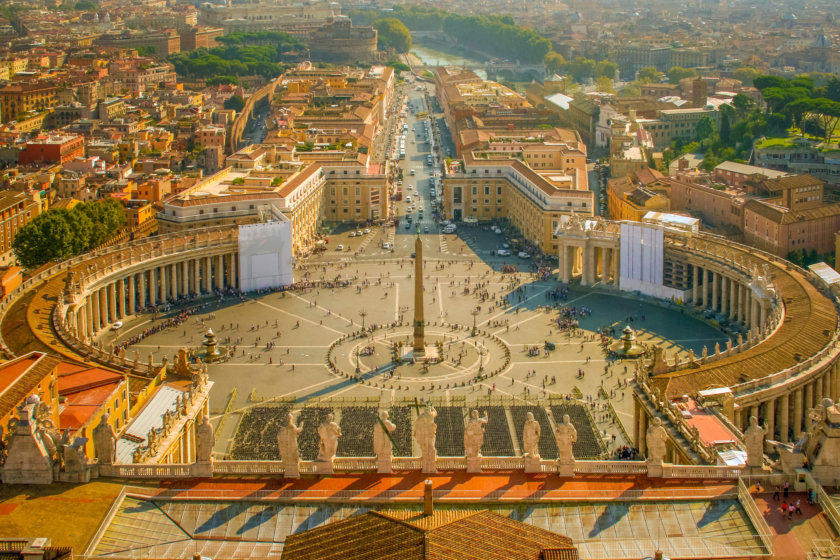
162,272
121,297
605,266
825,381
588,265
715,290
643,426
695,287
762,313
784,417
196,288
770,418
835,381
185,277
565,265
616,266
89,315
141,292
112,302
103,307
724,302
733,299
153,286
737,419
132,294
173,281
796,421
705,277
206,285
220,272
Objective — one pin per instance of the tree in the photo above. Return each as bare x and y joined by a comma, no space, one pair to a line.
725,125
677,73
60,233
797,257
763,82
604,84
607,69
393,33
746,74
582,69
705,128
554,62
235,102
649,74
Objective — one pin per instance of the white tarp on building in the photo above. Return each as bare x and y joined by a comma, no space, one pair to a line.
642,261
265,255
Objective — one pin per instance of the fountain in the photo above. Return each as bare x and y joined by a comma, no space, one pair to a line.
212,353
626,346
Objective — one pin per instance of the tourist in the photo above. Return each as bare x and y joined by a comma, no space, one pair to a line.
776,493
786,489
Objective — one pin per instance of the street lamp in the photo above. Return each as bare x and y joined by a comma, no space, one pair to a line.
358,369
474,313
363,314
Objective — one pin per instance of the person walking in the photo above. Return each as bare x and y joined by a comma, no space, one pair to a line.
791,509
786,488
776,494
798,509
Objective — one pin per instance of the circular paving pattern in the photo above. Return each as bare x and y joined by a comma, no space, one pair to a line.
454,357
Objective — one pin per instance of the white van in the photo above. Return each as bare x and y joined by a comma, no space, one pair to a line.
411,172
408,199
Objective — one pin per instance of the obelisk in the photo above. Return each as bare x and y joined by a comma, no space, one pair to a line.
419,322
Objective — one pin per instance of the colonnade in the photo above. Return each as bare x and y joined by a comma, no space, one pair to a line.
122,296
593,262
786,415
730,296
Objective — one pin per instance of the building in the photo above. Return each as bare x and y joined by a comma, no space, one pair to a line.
339,41
52,149
630,199
16,210
200,38
164,43
457,535
297,19
671,124
780,230
18,99
531,201
87,393
735,174
33,374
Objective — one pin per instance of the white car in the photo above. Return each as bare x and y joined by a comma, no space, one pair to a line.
359,233
386,245
340,247
524,255
367,230
352,234
503,253
117,325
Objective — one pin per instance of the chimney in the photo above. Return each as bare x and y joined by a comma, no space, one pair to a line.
428,504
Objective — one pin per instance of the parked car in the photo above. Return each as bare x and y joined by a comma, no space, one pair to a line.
352,234
524,255
340,247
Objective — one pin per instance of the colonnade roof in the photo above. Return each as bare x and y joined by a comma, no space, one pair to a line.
809,315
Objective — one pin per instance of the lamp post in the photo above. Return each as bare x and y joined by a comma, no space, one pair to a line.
358,369
363,314
474,313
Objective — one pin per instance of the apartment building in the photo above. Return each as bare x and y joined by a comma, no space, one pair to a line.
19,99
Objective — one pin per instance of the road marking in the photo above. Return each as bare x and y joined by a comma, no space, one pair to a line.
304,318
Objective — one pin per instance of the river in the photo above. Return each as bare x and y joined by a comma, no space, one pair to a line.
433,57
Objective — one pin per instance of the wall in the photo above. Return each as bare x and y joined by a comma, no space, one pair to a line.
265,255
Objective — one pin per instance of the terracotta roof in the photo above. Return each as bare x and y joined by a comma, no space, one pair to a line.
408,535
790,182
783,216
20,376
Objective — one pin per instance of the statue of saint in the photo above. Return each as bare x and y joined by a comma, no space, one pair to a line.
531,437
474,434
425,432
754,442
382,446
657,441
105,441
328,434
287,441
566,435
205,441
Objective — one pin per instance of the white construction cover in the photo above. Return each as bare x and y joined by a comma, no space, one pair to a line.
265,255
642,261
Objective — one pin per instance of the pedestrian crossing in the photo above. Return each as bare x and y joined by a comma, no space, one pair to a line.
444,248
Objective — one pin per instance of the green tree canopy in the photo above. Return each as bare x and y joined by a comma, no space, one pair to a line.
60,233
554,62
649,75
235,102
393,33
582,68
677,73
606,69
746,74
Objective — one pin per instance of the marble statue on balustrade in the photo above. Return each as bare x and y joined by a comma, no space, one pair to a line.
105,441
531,436
205,441
425,433
565,435
328,434
656,440
383,447
287,443
474,439
754,437
530,443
